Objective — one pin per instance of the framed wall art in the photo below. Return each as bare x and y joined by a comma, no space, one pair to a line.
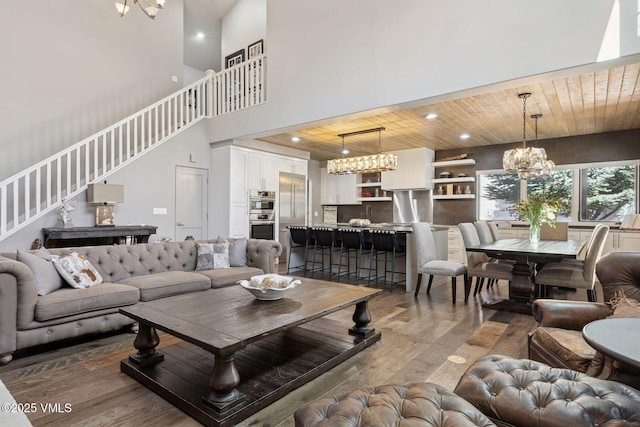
234,59
255,49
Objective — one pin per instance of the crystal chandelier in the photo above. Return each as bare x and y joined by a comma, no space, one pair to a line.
362,164
150,8
548,166
526,161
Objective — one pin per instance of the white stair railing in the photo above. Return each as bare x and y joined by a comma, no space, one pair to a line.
39,189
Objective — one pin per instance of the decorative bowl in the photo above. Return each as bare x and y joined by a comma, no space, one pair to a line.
446,174
269,287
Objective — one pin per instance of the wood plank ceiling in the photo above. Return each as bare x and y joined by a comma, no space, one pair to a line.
600,101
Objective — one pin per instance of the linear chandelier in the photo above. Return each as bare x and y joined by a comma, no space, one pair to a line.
150,8
362,164
526,161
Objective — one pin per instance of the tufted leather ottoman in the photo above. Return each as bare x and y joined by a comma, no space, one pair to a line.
523,393
420,404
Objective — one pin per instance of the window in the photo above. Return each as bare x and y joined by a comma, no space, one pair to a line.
498,193
560,187
591,193
607,193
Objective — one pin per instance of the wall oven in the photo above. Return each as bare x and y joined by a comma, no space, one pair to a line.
262,217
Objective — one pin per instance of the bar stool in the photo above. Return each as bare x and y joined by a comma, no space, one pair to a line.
298,243
351,246
385,242
324,243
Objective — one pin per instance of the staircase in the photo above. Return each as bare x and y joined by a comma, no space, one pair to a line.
36,191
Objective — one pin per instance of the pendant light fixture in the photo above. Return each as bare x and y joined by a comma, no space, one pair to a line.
548,166
363,164
150,8
526,161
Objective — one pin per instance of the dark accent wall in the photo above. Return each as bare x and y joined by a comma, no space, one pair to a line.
601,147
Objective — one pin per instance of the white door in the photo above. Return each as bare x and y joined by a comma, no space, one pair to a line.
191,203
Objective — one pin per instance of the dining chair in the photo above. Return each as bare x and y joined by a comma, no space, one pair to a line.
479,265
428,264
495,231
559,232
578,276
585,249
484,232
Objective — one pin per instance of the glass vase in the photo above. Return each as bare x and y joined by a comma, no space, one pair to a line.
534,233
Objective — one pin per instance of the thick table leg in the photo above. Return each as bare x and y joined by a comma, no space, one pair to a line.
223,382
361,317
146,342
521,290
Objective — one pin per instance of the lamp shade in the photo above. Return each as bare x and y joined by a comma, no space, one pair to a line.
105,193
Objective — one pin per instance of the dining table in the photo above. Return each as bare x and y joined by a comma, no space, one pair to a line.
528,257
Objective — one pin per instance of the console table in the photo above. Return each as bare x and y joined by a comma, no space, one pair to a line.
60,237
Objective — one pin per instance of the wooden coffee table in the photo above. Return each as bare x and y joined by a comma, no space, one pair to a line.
240,354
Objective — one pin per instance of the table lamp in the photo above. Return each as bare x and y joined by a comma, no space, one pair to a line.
105,196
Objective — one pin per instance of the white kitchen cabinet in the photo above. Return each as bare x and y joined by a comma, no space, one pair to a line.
297,166
339,189
238,185
238,220
628,241
414,170
234,171
261,172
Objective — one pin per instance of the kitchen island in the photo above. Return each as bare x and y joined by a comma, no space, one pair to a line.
405,237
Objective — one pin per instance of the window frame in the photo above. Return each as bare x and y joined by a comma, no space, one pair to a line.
575,193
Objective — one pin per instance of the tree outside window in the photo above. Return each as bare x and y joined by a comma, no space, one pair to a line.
607,193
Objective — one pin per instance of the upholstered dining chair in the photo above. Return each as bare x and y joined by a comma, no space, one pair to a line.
484,232
479,265
585,250
559,232
428,264
495,231
578,275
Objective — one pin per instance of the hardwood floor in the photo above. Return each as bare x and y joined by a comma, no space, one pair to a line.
423,339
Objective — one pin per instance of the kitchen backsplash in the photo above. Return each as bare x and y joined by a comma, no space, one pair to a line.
380,212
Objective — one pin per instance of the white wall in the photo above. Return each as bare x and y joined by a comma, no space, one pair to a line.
71,68
333,57
148,183
244,24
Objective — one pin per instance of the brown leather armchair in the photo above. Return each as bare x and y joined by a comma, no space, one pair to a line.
558,341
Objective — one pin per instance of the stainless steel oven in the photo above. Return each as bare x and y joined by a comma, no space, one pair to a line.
262,216
262,230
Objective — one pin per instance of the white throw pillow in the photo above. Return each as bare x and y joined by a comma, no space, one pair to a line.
45,273
76,270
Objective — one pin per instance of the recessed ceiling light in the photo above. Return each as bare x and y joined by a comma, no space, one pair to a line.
345,151
431,116
465,136
295,139
200,35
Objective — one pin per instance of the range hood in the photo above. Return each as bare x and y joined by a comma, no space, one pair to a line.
414,171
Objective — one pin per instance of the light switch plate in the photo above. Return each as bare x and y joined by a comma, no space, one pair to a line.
159,211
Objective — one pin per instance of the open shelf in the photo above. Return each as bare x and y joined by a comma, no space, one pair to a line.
452,180
369,184
454,196
462,162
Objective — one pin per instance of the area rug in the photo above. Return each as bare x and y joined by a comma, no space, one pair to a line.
9,414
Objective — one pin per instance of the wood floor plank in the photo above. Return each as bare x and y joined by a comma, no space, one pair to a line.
418,335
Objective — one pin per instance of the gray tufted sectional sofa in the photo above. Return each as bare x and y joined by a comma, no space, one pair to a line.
131,273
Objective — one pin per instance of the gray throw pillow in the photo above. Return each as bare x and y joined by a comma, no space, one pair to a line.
45,273
212,255
237,251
